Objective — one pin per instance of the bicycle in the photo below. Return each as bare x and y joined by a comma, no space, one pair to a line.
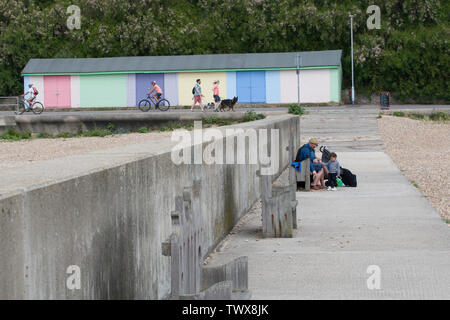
36,107
145,104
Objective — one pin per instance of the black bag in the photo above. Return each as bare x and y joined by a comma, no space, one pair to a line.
348,178
193,90
325,154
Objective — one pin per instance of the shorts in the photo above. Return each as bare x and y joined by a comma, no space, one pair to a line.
197,99
317,167
158,95
216,98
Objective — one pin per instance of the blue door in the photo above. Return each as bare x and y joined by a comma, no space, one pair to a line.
144,83
251,86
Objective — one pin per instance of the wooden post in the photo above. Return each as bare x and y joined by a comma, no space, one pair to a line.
185,247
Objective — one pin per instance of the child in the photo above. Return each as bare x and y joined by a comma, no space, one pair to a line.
333,172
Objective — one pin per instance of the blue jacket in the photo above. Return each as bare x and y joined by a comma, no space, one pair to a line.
306,152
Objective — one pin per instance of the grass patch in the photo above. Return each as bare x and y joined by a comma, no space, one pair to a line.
439,116
13,135
44,136
398,114
416,116
252,116
143,130
414,184
96,133
435,116
65,135
111,127
296,109
172,126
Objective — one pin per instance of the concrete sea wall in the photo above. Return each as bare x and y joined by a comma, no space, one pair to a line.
108,212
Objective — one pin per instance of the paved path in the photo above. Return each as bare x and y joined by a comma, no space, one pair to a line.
256,109
385,221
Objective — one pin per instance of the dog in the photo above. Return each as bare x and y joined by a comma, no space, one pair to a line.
209,105
228,103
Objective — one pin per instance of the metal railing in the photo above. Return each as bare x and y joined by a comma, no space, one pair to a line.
9,102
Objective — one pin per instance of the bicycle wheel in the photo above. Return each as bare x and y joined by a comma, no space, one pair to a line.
21,107
144,105
163,105
37,108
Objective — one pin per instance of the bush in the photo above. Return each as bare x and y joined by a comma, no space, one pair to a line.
143,130
252,116
111,127
296,109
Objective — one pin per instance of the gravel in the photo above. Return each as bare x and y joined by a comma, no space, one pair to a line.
18,154
421,149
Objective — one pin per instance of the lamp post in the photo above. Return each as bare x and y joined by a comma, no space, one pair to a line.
299,63
353,81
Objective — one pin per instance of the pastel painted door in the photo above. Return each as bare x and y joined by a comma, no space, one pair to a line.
57,92
243,87
251,86
144,82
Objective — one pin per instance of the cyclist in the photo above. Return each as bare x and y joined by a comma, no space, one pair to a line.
29,96
158,91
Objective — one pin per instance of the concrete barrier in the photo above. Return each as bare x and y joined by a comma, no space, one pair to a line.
54,123
107,212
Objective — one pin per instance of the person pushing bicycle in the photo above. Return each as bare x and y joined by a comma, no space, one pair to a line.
158,91
29,96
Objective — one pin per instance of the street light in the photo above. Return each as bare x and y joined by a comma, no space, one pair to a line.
353,81
299,63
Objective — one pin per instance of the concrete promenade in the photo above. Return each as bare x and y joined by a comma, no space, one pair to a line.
385,222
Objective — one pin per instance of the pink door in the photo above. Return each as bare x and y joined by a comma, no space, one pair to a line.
57,91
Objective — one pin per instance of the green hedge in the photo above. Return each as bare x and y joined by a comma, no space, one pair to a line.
407,56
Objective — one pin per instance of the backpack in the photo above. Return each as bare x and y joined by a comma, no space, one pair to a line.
193,90
348,178
35,91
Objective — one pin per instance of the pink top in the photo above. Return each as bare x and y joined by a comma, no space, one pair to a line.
157,88
216,91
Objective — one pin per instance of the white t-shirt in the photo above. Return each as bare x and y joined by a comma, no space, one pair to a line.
30,93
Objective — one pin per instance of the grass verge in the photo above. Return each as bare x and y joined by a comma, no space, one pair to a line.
435,116
14,135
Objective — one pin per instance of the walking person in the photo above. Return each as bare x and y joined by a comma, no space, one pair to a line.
198,95
216,95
